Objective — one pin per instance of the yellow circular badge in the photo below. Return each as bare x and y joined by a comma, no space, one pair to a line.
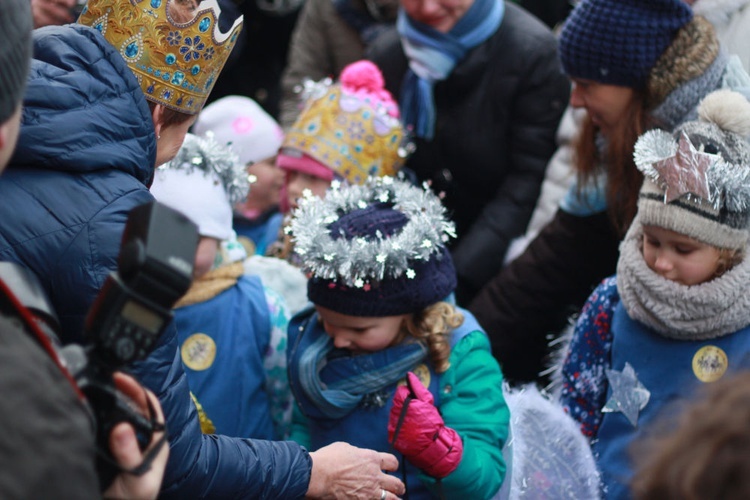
198,351
710,363
422,373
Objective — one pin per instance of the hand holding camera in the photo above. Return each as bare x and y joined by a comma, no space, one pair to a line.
124,324
125,449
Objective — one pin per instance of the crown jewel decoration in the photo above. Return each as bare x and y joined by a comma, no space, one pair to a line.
176,64
353,135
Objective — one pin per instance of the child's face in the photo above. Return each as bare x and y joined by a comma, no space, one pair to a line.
265,192
678,257
297,182
360,334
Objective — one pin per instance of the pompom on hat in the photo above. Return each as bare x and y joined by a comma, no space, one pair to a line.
697,180
351,128
618,42
375,250
203,182
243,125
15,54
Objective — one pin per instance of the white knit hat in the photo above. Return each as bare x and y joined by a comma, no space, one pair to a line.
242,124
203,182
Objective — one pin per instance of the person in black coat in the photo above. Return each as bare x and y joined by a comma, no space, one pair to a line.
485,128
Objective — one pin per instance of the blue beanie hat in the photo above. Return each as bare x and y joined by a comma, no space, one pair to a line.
618,42
379,250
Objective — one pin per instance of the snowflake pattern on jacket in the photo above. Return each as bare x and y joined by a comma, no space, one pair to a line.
584,378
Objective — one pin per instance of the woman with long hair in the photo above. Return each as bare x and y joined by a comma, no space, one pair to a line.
635,65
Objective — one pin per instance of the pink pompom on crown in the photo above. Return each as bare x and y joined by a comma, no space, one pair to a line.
364,79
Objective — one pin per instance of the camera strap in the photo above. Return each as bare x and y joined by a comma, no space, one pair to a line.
12,307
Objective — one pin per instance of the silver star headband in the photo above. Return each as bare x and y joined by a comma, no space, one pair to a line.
681,169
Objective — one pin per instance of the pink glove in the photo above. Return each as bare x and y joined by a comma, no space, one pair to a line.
417,430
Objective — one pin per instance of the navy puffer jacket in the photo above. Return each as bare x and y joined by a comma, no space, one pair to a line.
84,159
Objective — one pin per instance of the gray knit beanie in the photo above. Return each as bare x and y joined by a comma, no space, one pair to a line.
15,53
697,180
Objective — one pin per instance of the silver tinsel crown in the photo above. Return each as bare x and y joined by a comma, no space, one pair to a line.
357,262
707,159
206,155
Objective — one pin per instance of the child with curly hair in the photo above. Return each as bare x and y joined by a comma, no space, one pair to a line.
384,359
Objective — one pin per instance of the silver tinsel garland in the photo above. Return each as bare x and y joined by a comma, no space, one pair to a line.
207,155
358,262
729,184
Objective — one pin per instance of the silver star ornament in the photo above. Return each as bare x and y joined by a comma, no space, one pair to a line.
685,172
629,396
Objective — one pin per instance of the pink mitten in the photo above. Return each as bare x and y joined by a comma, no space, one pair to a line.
417,430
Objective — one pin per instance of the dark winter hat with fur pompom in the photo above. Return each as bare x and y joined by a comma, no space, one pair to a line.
618,42
375,250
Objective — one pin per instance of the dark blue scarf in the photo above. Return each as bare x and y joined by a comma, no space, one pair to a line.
433,55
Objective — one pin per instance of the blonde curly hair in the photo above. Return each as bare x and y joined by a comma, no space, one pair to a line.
433,325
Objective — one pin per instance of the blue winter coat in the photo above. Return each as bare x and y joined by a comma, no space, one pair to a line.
84,159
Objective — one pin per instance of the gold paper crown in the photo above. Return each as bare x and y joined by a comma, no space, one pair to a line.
351,134
176,63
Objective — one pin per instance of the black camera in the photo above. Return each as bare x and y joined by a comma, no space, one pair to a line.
133,308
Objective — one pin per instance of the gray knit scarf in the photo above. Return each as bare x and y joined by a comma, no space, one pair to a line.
681,104
705,311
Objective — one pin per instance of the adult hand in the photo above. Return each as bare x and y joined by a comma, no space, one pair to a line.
341,470
125,450
51,12
417,430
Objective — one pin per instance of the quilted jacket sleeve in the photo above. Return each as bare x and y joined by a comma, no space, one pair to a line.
212,466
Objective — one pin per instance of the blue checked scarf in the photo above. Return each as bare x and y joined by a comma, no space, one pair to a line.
328,382
433,55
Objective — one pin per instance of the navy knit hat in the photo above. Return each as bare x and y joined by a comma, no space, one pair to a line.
375,250
618,42
15,54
